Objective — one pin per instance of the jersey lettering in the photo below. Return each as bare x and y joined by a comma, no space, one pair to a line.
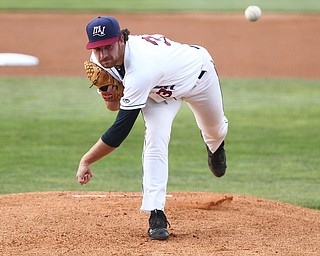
153,40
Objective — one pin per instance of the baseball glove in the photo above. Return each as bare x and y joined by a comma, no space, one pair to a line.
109,87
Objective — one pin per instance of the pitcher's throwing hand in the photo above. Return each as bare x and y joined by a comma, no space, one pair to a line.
84,174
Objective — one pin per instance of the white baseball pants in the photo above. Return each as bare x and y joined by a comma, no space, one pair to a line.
205,101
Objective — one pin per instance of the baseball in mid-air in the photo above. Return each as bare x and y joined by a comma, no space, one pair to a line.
252,13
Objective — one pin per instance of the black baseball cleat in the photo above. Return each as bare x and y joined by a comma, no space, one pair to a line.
217,161
158,226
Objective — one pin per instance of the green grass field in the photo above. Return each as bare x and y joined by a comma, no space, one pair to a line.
272,145
163,6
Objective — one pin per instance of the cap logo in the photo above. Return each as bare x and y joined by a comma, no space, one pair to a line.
102,31
98,31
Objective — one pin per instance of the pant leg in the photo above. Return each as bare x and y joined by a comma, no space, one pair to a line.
206,103
158,119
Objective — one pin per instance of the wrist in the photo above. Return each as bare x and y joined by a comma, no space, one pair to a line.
85,161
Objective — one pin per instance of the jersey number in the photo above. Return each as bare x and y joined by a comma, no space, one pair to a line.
165,91
154,40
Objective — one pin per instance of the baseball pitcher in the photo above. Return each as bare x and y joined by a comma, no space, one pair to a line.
153,75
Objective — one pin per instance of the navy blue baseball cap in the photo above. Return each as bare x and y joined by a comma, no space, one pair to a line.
102,31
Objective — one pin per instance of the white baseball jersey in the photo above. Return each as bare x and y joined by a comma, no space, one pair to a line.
157,67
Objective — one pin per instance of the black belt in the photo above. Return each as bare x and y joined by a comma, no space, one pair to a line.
201,74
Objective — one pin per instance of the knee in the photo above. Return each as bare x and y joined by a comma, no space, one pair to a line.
219,131
157,140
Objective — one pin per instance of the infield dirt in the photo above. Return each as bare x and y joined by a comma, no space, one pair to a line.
275,46
101,223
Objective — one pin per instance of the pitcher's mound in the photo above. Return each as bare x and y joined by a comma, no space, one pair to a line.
101,223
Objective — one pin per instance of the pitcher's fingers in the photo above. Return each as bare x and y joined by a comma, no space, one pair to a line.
86,178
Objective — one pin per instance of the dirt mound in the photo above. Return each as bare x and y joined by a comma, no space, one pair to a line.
103,223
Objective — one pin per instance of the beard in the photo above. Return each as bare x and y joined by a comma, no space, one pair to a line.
108,63
113,60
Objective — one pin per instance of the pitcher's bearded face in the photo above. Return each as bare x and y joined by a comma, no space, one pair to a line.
110,55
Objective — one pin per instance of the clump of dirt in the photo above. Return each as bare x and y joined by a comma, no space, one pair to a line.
213,204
